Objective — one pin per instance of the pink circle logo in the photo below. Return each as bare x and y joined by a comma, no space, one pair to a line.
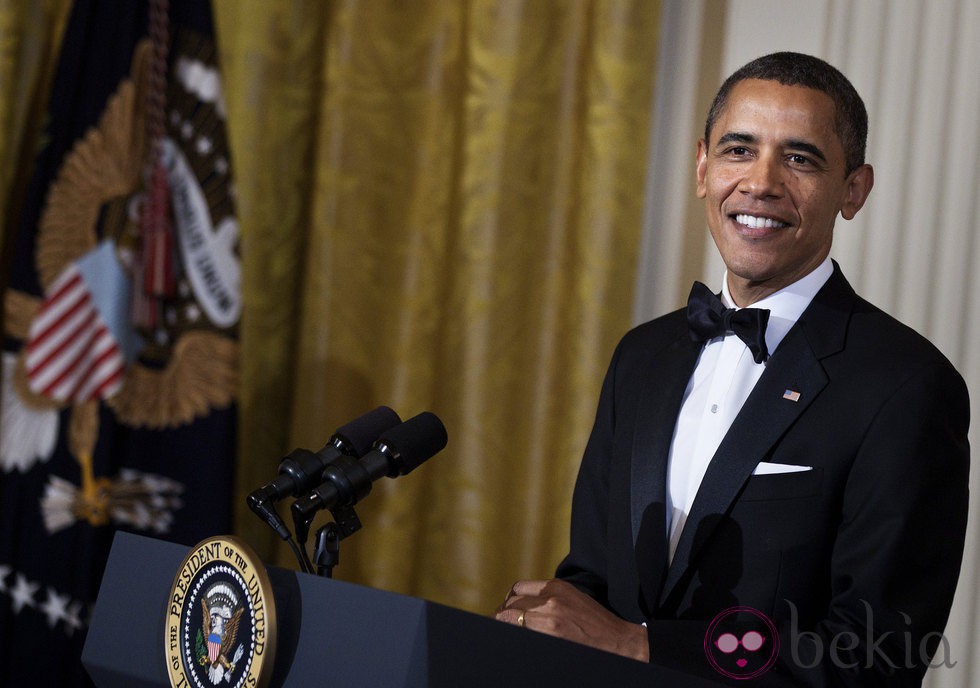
741,643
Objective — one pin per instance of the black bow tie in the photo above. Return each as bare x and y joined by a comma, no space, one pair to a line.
708,318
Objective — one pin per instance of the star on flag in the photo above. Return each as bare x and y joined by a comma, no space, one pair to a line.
22,594
55,607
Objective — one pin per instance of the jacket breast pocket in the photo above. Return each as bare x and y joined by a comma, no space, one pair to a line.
796,485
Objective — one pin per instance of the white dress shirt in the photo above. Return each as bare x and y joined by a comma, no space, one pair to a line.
722,380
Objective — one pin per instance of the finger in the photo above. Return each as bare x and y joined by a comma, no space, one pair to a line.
521,590
530,588
512,601
557,587
514,615
518,602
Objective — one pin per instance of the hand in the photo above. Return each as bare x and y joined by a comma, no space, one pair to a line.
558,608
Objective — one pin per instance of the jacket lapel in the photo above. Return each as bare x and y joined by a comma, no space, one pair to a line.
794,366
664,387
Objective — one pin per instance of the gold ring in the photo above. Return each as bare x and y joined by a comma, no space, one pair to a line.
520,619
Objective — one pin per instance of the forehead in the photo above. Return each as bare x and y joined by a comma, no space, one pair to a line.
771,110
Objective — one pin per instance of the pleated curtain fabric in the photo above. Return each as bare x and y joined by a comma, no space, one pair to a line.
440,204
30,38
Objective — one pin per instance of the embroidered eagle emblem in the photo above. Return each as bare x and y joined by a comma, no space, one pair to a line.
222,613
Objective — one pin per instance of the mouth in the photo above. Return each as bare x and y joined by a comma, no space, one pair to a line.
758,221
757,226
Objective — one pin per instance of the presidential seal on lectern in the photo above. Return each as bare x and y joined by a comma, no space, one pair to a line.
221,618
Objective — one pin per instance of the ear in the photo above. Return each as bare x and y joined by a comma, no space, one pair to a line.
859,184
700,167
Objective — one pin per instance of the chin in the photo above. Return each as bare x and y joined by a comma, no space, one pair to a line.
750,273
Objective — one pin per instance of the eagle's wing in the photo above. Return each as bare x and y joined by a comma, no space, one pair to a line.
231,630
207,618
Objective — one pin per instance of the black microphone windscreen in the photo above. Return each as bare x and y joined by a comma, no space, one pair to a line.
415,440
362,432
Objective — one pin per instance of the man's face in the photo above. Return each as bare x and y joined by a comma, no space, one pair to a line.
773,179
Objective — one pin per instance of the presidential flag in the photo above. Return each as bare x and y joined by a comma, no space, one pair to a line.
120,358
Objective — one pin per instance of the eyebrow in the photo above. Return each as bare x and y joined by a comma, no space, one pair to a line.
735,137
807,148
793,144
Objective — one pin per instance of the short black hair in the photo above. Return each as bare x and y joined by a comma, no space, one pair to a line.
797,69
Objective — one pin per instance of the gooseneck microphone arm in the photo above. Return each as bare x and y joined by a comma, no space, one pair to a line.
302,469
348,480
294,470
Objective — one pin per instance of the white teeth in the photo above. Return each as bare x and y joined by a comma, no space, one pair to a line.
759,222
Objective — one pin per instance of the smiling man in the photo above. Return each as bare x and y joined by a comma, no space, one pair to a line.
777,476
774,179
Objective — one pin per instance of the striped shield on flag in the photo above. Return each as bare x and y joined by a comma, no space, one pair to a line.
71,355
79,341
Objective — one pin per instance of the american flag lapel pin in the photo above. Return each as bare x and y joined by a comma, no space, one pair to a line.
792,395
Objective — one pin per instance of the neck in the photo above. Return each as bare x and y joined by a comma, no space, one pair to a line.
744,293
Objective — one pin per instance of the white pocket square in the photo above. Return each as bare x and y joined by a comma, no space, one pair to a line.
765,468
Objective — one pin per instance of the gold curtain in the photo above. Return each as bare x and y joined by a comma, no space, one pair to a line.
440,205
30,37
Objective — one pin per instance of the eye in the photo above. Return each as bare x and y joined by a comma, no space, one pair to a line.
727,643
800,160
752,641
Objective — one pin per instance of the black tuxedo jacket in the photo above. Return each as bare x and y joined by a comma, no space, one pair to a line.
855,560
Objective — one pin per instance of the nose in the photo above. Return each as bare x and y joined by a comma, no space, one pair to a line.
763,178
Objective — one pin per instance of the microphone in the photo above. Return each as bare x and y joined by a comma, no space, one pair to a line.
398,451
302,469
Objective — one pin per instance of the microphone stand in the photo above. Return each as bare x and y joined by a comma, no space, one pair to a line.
326,554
